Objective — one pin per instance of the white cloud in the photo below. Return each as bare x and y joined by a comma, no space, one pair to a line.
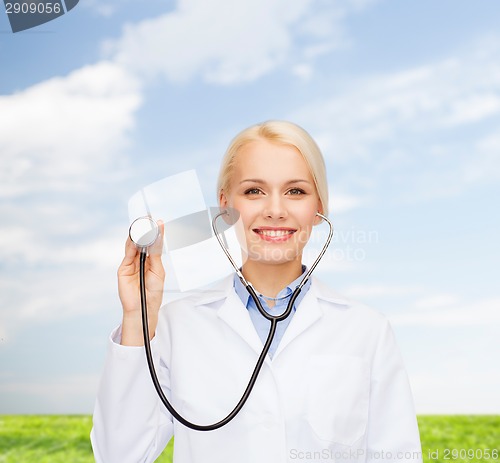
62,135
57,394
437,301
410,128
362,292
456,390
425,98
64,130
427,309
472,108
303,71
231,42
104,8
41,246
484,164
56,293
340,203
483,312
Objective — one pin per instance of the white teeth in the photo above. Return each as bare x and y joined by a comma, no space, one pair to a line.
275,232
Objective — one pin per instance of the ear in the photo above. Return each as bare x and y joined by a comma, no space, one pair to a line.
223,202
318,219
229,218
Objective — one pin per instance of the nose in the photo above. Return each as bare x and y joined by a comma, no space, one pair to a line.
275,207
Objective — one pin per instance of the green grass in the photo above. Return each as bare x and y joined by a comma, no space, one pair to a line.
65,439
444,437
49,439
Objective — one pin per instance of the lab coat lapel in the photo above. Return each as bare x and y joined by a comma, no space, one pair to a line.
310,311
236,315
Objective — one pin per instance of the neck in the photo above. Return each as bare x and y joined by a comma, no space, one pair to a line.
269,279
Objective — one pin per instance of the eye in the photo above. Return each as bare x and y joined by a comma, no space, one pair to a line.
296,192
252,191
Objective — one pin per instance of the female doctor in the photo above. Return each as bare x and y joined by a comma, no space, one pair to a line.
333,386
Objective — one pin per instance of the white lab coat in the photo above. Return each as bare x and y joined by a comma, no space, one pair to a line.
335,390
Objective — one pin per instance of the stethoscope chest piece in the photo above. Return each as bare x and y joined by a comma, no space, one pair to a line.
144,231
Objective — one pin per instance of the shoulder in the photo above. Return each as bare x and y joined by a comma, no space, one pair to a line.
206,296
332,300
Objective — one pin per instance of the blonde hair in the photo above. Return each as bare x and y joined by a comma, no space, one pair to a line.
285,133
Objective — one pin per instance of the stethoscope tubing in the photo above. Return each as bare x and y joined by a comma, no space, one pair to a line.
249,286
274,319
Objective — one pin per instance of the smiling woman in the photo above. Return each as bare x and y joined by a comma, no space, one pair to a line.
274,192
275,176
333,381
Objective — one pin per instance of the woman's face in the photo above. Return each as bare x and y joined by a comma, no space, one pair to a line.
276,197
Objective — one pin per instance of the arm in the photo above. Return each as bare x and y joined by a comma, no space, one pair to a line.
392,433
130,423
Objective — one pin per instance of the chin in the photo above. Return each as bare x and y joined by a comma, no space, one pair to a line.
274,256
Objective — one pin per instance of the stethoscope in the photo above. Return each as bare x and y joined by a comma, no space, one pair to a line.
144,232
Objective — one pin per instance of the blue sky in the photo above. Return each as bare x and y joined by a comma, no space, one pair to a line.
402,97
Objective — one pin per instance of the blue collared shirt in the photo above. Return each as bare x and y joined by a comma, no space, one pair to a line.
262,324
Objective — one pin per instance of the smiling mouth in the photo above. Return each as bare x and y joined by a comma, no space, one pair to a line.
274,234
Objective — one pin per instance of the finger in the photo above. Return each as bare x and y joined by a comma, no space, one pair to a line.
155,251
156,248
131,252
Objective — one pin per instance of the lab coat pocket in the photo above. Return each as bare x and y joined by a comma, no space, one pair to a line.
338,397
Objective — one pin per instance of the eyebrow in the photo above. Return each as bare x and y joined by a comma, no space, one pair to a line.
259,181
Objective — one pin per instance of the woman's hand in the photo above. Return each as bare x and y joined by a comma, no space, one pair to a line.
129,289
